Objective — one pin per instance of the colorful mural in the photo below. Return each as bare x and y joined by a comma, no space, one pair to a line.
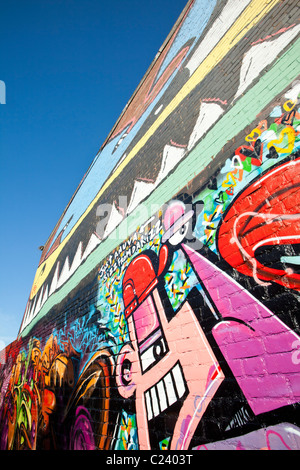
164,311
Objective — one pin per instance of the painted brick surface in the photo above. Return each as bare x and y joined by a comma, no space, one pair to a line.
164,313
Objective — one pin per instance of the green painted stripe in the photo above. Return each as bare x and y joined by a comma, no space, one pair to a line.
272,83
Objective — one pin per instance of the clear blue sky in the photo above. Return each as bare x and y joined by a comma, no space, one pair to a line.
70,67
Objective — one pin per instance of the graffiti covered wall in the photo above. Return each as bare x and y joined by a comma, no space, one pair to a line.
164,311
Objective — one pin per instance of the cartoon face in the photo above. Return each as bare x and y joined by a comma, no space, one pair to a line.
168,367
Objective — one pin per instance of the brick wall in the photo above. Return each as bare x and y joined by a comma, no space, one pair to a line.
164,310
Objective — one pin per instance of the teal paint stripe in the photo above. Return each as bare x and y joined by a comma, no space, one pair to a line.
272,83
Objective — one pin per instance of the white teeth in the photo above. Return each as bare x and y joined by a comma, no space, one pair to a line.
149,407
65,273
59,278
154,400
24,322
171,156
39,302
179,380
54,282
162,395
26,310
115,219
93,242
140,191
77,258
165,393
45,297
261,55
32,309
225,19
67,270
208,114
170,389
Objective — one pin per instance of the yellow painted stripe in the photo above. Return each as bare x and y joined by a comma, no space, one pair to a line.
252,14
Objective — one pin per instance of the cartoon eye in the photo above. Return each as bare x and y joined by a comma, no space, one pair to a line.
179,235
153,354
126,371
